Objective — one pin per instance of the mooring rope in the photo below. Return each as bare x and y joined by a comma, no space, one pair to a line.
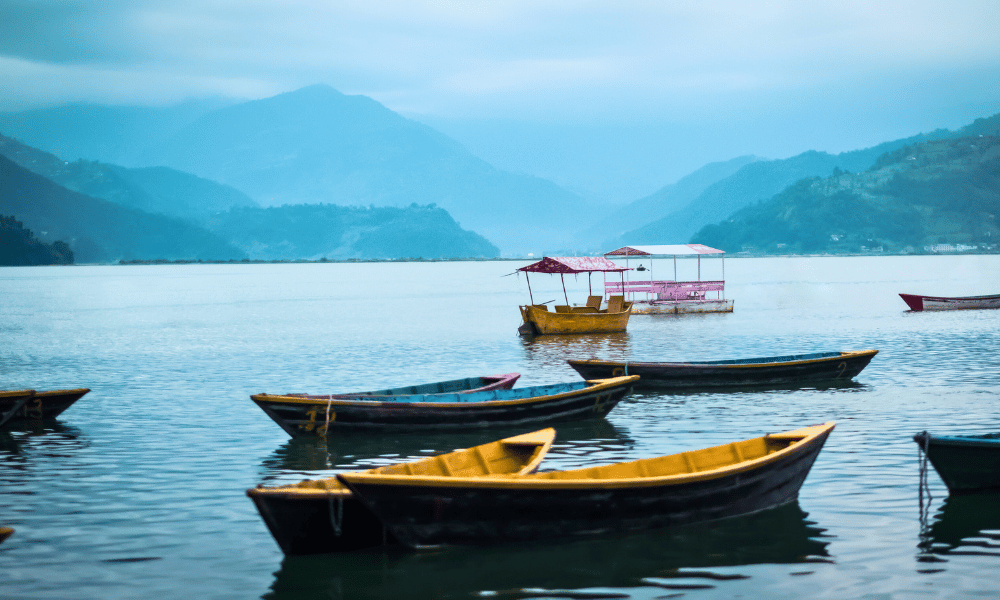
326,425
336,515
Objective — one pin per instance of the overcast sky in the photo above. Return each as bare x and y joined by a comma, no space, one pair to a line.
772,78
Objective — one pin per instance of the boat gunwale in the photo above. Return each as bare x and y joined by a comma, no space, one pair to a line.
590,386
843,355
534,482
292,490
958,440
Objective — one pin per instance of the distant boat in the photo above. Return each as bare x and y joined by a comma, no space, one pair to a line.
921,303
321,515
701,485
317,415
966,463
796,369
566,319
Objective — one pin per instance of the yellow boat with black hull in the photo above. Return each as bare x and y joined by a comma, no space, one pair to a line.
322,516
701,485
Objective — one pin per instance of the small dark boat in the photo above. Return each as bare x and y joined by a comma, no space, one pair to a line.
316,415
921,303
769,370
702,485
967,463
47,405
321,515
5,532
12,402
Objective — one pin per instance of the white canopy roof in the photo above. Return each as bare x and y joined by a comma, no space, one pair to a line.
663,250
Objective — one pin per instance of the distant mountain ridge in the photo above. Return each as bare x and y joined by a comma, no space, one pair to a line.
761,180
938,192
317,145
157,190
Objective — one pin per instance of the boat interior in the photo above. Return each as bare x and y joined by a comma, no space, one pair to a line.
616,304
439,387
692,462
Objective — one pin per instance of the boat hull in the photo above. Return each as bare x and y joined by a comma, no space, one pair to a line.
922,303
304,416
420,515
539,321
48,405
12,403
766,371
682,307
323,516
966,464
5,532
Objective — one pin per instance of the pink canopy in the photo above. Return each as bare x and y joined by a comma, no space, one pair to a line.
674,250
573,264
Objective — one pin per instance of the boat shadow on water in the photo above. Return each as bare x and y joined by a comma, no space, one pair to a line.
364,451
678,559
747,390
50,435
965,525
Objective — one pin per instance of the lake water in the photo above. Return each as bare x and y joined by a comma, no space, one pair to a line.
138,490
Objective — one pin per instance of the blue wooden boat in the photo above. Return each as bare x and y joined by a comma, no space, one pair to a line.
317,415
966,463
796,369
701,485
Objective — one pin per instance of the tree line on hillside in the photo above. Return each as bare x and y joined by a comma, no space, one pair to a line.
943,194
19,248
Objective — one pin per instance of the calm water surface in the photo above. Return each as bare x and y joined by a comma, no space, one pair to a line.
137,491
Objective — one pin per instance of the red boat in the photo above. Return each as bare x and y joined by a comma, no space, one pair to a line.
920,303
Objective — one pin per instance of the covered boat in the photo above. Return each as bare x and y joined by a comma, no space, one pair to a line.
310,415
966,463
12,402
793,369
321,515
652,296
921,303
712,483
564,318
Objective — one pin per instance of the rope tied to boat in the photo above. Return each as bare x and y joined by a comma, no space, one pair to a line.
337,515
923,487
326,425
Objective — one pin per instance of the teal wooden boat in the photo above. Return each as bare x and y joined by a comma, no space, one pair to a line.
967,464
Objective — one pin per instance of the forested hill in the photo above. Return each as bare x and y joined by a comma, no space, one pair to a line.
942,192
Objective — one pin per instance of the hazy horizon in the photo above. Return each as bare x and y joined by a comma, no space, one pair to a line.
609,102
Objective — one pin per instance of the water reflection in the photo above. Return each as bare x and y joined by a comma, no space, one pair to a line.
662,559
45,438
964,525
365,451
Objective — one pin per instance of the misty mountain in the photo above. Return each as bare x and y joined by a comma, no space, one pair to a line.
156,190
316,145
761,180
314,231
664,201
97,230
945,191
112,134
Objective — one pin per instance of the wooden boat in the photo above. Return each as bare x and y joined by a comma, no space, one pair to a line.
11,403
967,463
5,532
453,386
566,319
920,303
321,515
48,405
701,485
299,415
769,370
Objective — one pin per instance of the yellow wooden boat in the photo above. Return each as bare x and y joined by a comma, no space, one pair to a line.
701,485
321,515
565,319
6,532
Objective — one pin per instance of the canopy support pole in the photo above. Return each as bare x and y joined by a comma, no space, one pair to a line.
675,268
699,267
563,278
528,279
590,283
